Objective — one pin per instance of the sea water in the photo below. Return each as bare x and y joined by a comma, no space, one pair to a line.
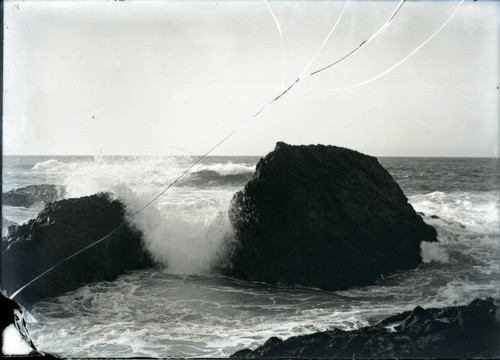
184,310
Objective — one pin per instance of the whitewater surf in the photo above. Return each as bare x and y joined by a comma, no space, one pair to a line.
185,310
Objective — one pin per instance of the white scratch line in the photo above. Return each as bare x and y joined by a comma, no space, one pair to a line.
364,43
282,44
324,41
406,57
283,92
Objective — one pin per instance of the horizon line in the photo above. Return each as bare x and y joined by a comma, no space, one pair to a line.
251,155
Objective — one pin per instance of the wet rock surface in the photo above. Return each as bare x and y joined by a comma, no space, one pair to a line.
467,331
322,216
61,229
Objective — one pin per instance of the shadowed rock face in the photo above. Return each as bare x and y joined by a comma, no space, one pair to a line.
454,332
33,194
61,229
322,216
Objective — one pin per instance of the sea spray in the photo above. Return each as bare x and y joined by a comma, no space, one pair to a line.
227,168
185,233
433,252
158,314
185,229
50,164
468,227
182,246
104,173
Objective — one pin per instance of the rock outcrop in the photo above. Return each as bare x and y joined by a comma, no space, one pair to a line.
5,225
61,229
33,194
469,331
322,216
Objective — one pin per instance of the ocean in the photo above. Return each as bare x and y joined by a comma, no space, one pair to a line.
185,310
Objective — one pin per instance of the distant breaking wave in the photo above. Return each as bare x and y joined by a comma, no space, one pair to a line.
49,164
33,194
219,174
225,169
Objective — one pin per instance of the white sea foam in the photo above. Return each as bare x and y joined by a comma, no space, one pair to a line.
161,313
183,245
141,174
184,230
463,221
433,252
157,314
478,211
50,164
225,169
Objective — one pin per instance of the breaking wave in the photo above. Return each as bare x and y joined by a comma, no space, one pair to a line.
467,224
183,245
49,164
225,169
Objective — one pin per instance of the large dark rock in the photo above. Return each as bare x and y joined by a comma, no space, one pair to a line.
322,216
61,229
33,194
454,332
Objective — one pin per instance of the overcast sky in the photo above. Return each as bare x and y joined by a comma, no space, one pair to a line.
166,77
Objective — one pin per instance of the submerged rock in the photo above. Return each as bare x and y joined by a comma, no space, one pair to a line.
33,194
322,216
453,332
61,229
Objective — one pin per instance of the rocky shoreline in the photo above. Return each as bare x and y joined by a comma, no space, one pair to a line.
468,331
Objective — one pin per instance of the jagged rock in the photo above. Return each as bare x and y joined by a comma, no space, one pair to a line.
322,216
33,194
61,229
469,331
5,225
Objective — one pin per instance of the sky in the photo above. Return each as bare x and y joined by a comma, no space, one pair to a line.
176,77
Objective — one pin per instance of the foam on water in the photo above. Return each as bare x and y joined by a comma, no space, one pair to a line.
183,230
224,169
174,316
431,252
50,164
161,313
142,174
468,226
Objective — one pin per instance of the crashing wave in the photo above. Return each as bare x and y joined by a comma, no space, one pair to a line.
49,164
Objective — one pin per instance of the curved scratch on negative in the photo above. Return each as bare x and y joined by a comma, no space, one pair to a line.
283,92
282,44
324,41
364,43
406,57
